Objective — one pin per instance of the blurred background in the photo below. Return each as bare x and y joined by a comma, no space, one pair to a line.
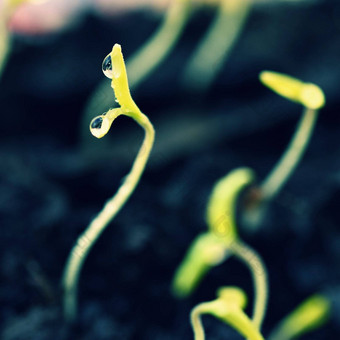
54,176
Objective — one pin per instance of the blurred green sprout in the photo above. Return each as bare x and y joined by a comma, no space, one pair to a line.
229,308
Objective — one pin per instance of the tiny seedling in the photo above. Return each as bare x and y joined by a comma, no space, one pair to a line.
221,241
308,316
311,97
141,64
7,9
229,308
114,68
208,59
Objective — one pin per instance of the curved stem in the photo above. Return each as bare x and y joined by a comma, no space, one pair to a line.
144,61
88,238
253,261
217,44
272,185
235,317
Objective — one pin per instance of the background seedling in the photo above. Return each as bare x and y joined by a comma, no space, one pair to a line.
308,316
313,99
217,44
113,67
228,307
7,8
221,211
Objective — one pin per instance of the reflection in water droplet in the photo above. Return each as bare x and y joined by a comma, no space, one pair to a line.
97,123
99,126
107,66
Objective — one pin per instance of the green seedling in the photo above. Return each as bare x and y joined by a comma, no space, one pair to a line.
311,97
211,54
222,240
114,68
7,10
146,59
229,308
310,315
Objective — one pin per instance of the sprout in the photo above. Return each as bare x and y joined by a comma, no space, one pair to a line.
312,99
222,241
228,307
308,316
99,126
218,42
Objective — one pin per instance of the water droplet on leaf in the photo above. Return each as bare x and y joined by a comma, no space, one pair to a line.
97,123
99,126
107,66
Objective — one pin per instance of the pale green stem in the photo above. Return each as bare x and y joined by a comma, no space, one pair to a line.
88,238
4,36
144,61
208,59
272,185
260,281
235,317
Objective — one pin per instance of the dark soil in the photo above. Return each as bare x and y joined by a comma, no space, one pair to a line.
52,186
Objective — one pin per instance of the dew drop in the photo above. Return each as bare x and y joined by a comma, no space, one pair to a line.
97,123
107,66
99,126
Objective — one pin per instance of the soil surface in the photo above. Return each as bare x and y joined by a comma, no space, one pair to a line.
53,182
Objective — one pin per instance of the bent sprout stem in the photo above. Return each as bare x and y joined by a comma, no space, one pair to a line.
312,98
146,59
228,307
253,261
87,239
280,174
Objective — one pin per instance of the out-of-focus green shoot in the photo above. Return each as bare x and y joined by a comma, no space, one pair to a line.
223,240
312,98
308,316
141,64
206,252
228,307
212,52
113,67
7,8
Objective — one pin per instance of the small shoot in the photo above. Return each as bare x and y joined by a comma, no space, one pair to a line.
141,64
114,67
206,252
7,8
313,99
229,308
221,211
212,52
308,316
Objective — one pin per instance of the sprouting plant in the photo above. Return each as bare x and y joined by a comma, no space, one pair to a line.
114,68
141,64
229,308
308,316
6,11
312,99
208,59
222,239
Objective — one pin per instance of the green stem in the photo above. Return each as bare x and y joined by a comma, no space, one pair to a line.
255,264
272,185
88,238
217,44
